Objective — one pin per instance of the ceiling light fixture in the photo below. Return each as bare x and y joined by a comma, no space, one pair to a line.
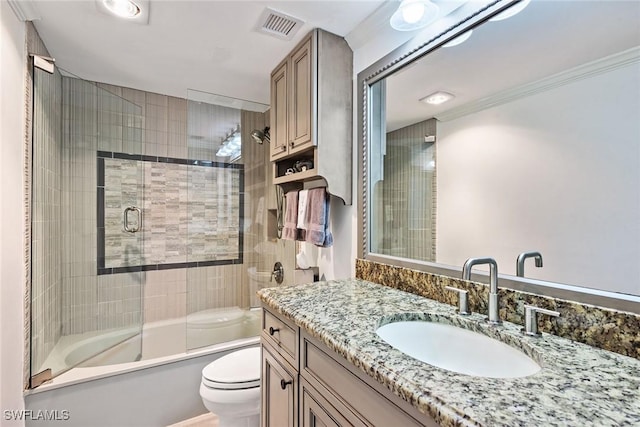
459,40
437,98
131,11
413,14
513,10
123,8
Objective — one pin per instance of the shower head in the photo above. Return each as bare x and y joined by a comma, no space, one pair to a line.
260,136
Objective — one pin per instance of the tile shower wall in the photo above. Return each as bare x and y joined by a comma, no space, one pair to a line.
262,250
409,165
211,287
149,124
93,119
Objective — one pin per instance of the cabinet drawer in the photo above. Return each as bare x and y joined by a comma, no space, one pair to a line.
282,336
361,398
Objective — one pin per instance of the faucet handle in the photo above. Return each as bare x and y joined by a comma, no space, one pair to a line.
463,300
531,319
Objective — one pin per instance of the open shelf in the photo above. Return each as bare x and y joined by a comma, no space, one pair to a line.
307,175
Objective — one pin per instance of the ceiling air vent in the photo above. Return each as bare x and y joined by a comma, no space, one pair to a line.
278,24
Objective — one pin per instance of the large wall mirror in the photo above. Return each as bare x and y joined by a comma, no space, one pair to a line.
537,149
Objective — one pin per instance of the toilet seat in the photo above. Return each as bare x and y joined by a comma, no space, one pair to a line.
239,370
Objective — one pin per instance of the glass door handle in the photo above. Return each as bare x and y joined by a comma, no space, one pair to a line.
125,220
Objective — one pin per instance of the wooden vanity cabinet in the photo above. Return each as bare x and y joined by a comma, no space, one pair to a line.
311,113
279,134
310,385
279,381
279,391
292,98
315,410
301,98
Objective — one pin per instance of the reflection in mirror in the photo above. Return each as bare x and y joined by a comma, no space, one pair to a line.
538,150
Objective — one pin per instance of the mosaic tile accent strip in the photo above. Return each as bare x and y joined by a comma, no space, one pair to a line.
192,213
612,330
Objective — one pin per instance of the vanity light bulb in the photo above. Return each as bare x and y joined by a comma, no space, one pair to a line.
412,11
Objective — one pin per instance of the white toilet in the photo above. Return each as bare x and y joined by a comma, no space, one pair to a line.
230,388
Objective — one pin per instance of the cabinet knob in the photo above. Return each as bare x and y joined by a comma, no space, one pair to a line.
284,384
291,144
273,330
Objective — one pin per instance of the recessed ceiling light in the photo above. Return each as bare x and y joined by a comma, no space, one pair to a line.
437,98
413,14
133,11
122,8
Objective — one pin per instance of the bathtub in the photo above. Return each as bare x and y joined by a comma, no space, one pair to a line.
160,387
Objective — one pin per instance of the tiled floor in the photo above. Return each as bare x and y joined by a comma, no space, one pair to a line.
205,420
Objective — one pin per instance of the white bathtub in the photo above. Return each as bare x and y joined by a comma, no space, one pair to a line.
165,338
161,387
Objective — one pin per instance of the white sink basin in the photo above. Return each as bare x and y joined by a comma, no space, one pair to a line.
458,350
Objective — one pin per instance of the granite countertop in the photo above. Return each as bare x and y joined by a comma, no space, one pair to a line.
578,385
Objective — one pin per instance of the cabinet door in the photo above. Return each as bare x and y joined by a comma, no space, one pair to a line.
279,388
317,412
300,101
279,107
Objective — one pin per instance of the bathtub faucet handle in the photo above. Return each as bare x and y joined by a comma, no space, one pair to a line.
277,273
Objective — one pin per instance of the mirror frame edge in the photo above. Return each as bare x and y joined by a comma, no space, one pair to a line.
395,60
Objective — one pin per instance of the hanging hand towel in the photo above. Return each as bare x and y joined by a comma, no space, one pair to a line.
302,213
317,218
290,230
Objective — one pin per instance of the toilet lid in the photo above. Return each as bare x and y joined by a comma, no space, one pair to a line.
237,370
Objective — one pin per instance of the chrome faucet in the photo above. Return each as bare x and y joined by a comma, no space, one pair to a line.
494,318
522,257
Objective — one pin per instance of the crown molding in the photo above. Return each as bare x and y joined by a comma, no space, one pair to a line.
590,69
25,10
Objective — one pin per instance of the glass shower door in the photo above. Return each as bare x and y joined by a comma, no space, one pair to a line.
87,275
220,232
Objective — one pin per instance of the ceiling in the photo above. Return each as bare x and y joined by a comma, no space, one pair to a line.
547,37
213,46
210,46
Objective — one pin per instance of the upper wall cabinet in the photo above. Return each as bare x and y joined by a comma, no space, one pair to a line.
311,115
